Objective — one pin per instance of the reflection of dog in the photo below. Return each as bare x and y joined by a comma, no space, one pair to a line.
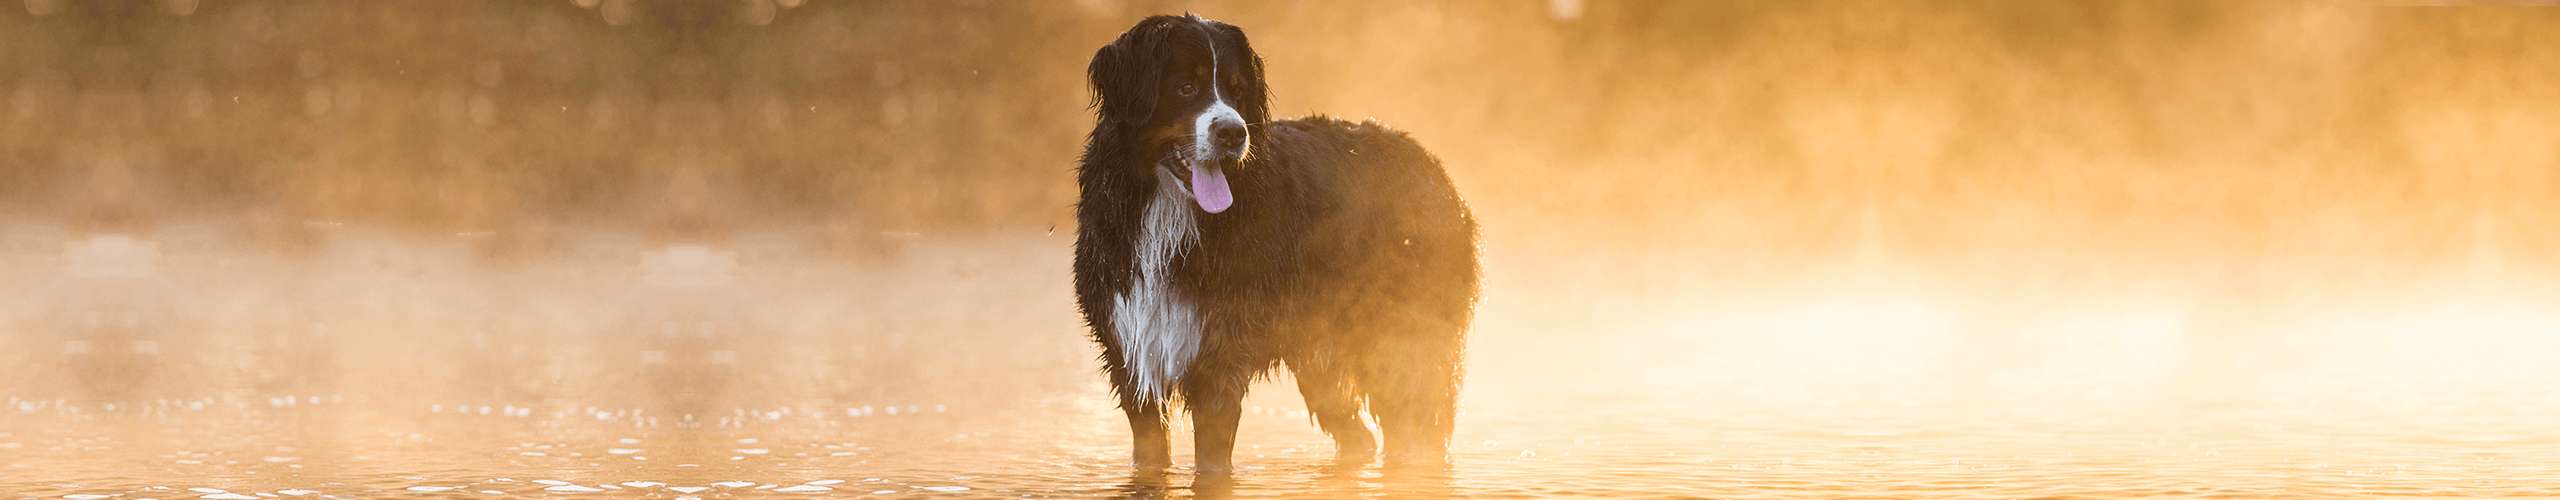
1216,244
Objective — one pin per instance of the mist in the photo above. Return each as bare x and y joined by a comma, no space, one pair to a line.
753,211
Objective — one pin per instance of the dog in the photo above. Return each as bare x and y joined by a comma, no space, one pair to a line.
1215,245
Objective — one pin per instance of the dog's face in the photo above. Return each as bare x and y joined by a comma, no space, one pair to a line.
1188,92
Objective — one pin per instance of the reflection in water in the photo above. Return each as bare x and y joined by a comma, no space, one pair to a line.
1793,396
764,248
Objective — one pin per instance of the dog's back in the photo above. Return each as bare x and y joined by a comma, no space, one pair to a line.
1383,225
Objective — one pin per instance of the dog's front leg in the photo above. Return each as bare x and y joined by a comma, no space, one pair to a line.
1217,404
1149,448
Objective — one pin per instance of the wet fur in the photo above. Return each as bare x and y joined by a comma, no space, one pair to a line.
1348,257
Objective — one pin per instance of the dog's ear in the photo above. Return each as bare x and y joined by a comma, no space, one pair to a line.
1123,75
1252,96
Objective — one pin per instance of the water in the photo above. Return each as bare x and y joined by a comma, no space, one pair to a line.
1072,447
158,367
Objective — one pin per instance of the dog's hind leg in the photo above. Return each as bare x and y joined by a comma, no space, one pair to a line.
1336,406
1412,384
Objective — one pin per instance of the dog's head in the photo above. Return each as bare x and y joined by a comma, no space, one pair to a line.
1188,92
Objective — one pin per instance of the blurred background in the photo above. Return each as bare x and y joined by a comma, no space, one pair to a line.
1816,245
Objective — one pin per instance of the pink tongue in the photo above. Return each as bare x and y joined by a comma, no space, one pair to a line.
1209,187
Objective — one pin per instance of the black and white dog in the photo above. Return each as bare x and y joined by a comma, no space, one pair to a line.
1216,245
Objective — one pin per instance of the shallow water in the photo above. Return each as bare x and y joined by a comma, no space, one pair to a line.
689,370
154,369
385,446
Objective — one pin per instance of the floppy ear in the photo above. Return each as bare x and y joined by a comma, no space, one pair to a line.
1253,97
1123,91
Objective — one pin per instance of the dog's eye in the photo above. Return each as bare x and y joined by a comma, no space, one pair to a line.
1187,90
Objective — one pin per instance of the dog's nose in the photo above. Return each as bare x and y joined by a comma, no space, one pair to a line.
1229,134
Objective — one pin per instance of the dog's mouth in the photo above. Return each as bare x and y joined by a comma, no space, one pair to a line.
1205,180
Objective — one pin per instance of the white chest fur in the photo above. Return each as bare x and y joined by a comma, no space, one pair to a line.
1158,329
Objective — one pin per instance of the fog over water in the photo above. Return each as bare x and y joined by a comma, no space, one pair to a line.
356,249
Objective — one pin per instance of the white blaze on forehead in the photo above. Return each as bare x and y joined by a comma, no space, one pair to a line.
1157,327
1201,141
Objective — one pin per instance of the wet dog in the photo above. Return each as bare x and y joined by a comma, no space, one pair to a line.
1216,245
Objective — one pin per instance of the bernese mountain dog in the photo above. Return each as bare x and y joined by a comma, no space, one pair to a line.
1216,244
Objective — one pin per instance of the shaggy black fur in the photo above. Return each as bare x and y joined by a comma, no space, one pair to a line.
1347,256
